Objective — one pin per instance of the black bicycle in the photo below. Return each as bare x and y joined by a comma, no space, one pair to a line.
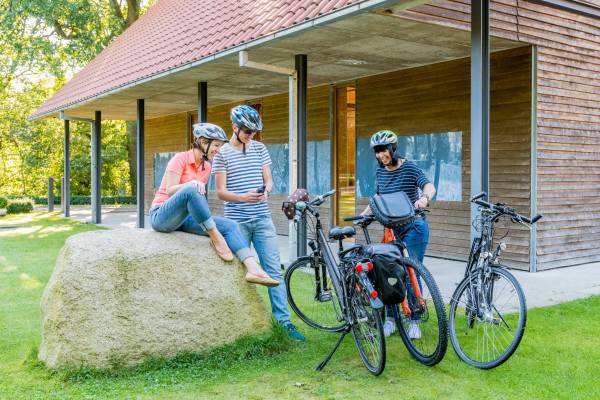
336,297
421,317
487,309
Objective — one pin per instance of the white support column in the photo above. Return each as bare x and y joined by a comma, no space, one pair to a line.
293,160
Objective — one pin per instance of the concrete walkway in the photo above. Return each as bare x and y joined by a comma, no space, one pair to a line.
541,288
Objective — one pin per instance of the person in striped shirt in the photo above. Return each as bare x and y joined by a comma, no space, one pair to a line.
243,179
395,174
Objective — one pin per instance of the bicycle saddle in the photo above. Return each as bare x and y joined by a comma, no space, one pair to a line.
339,233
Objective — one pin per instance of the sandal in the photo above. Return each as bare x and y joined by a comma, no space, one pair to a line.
264,280
224,256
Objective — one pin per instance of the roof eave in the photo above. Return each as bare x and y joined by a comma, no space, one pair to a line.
345,12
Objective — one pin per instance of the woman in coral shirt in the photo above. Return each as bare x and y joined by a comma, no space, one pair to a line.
181,204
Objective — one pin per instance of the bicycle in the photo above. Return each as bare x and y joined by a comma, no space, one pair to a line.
424,301
487,310
343,299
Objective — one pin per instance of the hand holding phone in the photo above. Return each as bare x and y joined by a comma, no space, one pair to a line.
261,189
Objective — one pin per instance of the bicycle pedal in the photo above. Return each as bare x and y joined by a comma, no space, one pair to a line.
324,296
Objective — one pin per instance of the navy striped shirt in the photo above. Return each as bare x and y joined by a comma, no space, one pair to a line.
408,178
244,173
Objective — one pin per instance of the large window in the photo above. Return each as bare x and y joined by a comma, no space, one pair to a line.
439,155
318,163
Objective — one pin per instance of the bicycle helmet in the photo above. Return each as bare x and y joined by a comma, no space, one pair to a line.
246,117
383,138
208,131
289,205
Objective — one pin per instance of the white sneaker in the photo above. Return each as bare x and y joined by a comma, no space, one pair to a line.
414,332
389,327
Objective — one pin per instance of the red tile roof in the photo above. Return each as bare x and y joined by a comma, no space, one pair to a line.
177,32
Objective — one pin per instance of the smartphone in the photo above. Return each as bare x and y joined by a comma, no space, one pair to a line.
261,189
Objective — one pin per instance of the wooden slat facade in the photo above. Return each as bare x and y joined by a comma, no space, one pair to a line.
568,118
436,98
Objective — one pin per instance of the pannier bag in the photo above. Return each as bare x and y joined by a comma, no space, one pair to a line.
392,210
388,274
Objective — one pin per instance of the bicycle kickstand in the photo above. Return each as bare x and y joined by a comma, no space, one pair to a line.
337,344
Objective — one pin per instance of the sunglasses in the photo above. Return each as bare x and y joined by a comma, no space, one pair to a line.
246,131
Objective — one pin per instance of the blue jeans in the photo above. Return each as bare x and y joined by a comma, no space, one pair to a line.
261,233
416,238
187,211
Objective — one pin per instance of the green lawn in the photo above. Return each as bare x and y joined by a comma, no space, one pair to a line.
558,357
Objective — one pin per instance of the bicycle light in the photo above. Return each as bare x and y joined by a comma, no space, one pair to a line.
359,268
369,266
374,294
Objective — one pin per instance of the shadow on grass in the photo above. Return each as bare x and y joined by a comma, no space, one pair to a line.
205,364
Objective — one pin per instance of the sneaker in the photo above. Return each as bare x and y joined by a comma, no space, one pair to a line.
414,332
389,327
293,332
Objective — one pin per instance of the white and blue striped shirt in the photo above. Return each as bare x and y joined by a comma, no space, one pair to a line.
244,173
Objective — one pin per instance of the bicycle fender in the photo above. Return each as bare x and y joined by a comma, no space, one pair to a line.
365,282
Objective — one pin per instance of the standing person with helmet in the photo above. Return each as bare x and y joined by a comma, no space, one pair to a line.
243,177
180,203
395,174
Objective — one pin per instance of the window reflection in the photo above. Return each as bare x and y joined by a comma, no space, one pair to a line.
439,155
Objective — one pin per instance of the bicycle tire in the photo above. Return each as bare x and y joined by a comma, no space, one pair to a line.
301,287
431,348
368,337
456,338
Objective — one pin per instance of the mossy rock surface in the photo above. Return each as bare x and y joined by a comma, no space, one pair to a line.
119,297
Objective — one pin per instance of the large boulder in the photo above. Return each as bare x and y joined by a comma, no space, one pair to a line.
117,297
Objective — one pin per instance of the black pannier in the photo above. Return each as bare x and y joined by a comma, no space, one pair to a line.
388,274
392,210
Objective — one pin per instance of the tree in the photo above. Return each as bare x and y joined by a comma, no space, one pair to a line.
43,43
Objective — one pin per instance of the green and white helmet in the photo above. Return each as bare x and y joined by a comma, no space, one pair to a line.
209,131
383,138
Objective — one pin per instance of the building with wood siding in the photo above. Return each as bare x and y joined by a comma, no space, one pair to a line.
403,66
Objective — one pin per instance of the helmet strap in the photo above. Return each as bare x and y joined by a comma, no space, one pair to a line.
237,137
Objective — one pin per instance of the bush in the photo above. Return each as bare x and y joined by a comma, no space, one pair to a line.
3,202
85,200
22,205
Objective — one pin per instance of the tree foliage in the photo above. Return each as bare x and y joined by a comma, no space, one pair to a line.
43,43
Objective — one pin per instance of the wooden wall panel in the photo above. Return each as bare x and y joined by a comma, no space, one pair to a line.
436,98
162,134
568,118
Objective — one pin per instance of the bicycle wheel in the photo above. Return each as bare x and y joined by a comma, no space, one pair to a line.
424,329
313,300
367,330
487,325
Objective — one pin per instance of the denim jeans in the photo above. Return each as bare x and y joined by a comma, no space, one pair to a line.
187,211
261,233
416,238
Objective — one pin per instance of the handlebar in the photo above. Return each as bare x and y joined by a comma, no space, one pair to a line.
321,199
504,209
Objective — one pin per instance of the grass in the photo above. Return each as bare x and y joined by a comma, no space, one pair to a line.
558,357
